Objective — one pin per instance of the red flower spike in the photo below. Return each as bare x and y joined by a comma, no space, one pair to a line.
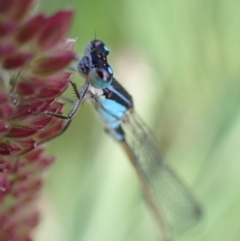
4,127
3,219
19,189
50,133
26,146
56,108
27,176
21,114
33,103
68,44
26,149
36,184
16,208
50,92
57,84
41,122
2,160
18,13
6,111
8,149
6,28
22,131
8,166
17,61
6,6
32,220
30,29
17,166
25,89
16,149
34,155
46,161
3,97
4,182
42,87
59,81
60,76
54,30
31,81
7,49
30,86
41,106
53,63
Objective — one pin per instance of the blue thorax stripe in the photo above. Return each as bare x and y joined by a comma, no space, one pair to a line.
117,93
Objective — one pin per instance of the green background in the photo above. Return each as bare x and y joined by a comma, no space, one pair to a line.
180,61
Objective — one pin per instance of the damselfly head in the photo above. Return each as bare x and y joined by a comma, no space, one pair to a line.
93,60
95,66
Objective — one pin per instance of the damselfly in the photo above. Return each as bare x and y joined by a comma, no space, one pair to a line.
172,203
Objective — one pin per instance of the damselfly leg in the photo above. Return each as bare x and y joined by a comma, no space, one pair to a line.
76,105
80,96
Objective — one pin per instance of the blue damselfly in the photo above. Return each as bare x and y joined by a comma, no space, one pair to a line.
172,203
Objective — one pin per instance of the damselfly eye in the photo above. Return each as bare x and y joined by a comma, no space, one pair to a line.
84,64
100,78
102,48
98,47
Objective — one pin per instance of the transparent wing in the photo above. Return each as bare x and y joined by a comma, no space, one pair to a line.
169,198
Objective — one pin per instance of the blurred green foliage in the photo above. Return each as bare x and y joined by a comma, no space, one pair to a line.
180,60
